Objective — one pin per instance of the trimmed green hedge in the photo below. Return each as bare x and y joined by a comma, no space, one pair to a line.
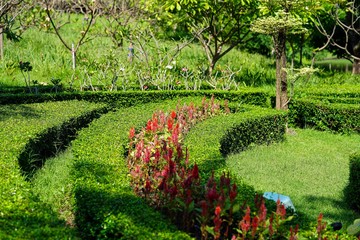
22,215
105,205
352,190
206,140
332,91
53,140
258,127
315,114
131,98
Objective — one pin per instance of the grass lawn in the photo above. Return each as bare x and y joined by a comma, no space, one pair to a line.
311,167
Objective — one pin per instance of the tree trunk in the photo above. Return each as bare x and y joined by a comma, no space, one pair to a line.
281,77
356,67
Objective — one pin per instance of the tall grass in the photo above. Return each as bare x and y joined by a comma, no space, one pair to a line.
311,167
99,59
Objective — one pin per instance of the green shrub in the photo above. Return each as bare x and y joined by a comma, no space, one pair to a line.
334,91
256,129
23,216
53,140
105,205
315,114
131,98
352,190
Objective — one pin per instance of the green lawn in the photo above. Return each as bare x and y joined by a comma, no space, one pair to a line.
311,167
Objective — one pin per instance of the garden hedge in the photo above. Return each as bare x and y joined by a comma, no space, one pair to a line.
105,204
22,215
352,190
209,141
316,114
131,98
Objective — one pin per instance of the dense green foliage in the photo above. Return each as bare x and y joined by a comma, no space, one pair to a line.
130,98
352,190
335,117
257,127
22,214
105,205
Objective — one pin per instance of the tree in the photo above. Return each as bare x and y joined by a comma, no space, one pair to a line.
219,25
86,8
342,32
281,18
7,7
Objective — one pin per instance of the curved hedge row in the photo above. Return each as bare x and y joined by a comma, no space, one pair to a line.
105,204
210,140
322,116
22,215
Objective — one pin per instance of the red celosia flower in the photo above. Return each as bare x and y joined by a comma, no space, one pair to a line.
280,209
204,208
132,133
147,186
173,114
262,213
271,229
254,226
147,154
188,197
171,167
173,192
212,194
217,222
149,125
154,125
217,210
195,172
245,222
170,124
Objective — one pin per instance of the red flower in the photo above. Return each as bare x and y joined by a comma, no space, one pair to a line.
245,222
132,132
254,225
217,210
149,125
147,186
233,192
212,194
170,124
204,208
173,115
195,172
280,209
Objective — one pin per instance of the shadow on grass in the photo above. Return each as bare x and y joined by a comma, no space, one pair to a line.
342,214
10,111
34,222
53,141
105,209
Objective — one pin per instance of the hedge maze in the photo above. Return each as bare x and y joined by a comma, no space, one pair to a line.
95,128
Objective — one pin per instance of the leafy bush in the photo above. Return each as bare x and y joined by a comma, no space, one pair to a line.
352,190
321,116
260,128
23,216
105,205
131,98
52,141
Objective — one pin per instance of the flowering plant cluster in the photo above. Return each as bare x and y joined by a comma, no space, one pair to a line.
161,173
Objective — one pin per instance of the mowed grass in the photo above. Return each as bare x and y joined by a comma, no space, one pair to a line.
311,167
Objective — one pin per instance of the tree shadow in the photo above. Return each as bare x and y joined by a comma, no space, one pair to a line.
109,210
342,214
13,110
34,221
